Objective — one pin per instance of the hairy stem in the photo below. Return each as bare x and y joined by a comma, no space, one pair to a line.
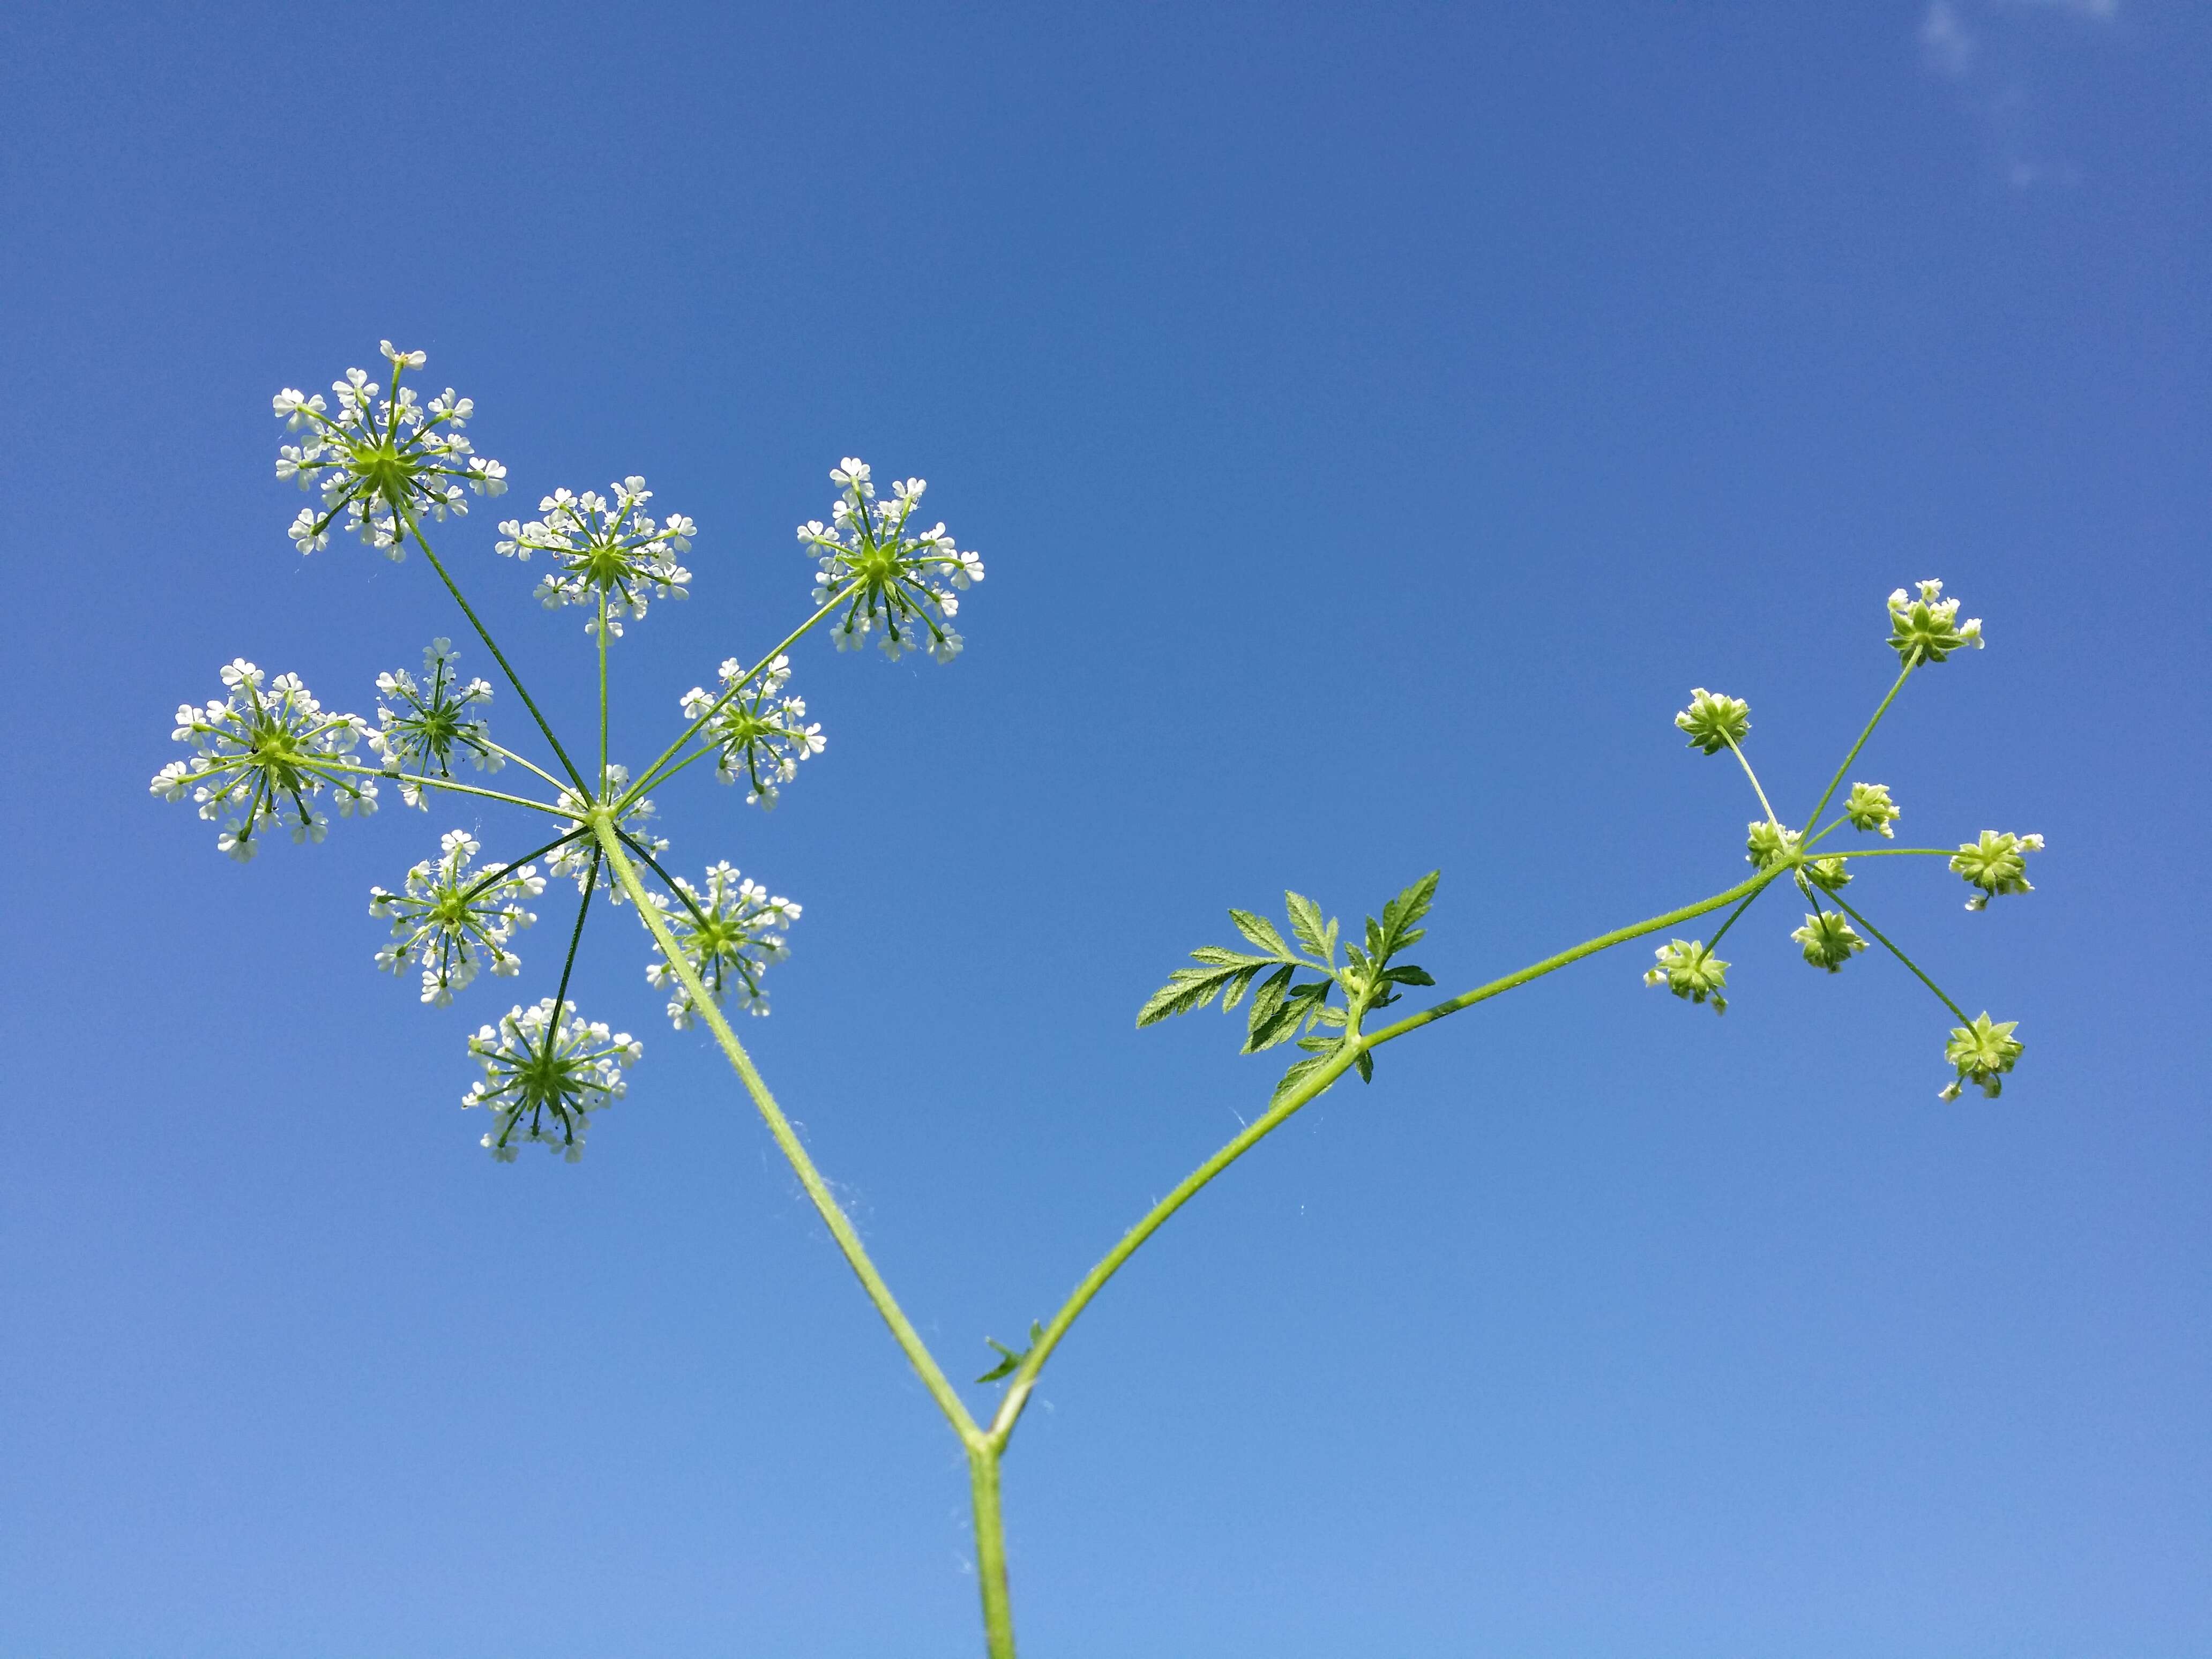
991,1550
787,1138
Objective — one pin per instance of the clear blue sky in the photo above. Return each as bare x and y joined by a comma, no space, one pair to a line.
1375,419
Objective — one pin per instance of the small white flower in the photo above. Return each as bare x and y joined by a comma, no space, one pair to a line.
729,933
544,1074
262,755
761,735
898,579
383,459
599,547
450,919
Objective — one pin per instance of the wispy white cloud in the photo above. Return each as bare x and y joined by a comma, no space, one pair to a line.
1986,53
1946,45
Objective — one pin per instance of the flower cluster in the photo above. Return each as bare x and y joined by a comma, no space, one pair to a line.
1690,971
433,719
1769,844
1714,722
1997,864
1983,1053
599,549
384,459
1869,807
1927,628
551,1069
759,734
729,933
895,579
578,859
1829,940
261,757
451,919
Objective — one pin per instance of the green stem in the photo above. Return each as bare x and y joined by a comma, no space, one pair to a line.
1733,916
991,1551
1025,1374
1764,804
1018,1385
1887,945
445,783
787,1138
603,691
1742,890
498,656
1910,663
526,764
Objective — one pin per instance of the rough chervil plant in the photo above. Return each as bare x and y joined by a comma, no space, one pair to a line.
266,753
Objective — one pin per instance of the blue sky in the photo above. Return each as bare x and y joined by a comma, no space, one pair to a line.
1375,420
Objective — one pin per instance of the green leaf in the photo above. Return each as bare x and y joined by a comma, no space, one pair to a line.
1365,1062
1408,974
1187,988
1306,924
1009,1360
1221,957
1266,1001
1411,905
1233,993
1296,1075
1283,1024
1260,931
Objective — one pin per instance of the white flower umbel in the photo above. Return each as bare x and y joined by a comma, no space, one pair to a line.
383,458
602,548
1769,844
452,919
575,860
432,721
545,1076
759,734
1927,628
262,755
896,579
729,933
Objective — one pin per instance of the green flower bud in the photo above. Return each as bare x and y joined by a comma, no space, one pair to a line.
1714,721
1997,864
1928,627
1983,1052
1768,845
1828,875
1869,807
1692,971
1829,941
